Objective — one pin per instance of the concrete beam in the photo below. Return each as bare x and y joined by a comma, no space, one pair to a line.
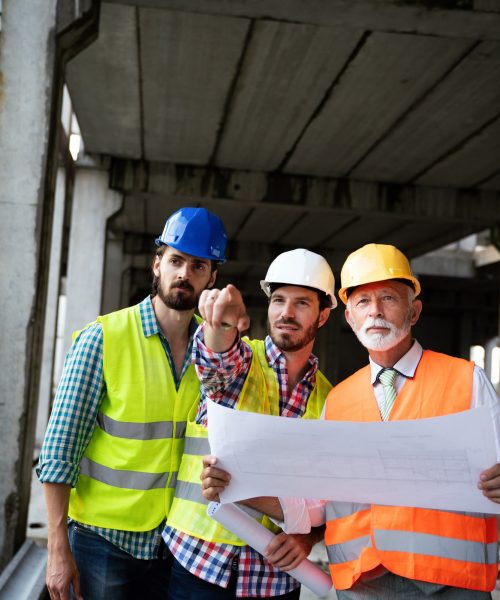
475,209
24,577
458,19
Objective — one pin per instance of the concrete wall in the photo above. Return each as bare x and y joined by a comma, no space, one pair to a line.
25,111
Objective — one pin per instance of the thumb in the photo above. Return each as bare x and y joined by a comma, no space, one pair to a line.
243,323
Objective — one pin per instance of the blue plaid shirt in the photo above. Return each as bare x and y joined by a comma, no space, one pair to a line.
222,376
73,419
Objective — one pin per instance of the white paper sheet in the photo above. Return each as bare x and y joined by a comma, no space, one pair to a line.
430,463
258,537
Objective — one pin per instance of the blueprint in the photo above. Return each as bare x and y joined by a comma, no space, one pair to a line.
431,463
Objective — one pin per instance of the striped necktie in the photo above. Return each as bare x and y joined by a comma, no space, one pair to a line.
386,378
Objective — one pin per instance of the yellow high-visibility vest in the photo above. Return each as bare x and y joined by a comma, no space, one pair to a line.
260,394
128,471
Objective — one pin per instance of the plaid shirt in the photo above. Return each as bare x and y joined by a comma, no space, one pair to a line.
73,418
222,376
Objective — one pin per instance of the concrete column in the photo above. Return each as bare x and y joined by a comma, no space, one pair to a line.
27,66
113,271
51,312
93,204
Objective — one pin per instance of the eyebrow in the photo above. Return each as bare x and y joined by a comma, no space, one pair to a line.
278,295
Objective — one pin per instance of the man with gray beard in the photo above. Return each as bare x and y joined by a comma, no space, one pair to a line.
381,552
389,552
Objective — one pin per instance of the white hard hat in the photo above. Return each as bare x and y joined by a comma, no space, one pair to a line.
304,268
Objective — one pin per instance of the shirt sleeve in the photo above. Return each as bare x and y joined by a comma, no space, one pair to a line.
483,394
221,374
75,409
300,514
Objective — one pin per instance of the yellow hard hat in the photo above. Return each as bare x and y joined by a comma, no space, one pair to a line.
375,262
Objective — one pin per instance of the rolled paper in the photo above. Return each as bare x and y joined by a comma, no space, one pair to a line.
258,537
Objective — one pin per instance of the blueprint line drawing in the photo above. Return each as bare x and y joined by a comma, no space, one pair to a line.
431,463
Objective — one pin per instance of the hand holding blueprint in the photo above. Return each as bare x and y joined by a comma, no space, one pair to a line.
429,463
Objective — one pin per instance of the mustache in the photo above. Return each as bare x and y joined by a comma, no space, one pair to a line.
285,321
376,322
183,285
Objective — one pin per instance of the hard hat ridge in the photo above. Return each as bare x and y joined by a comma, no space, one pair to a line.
303,268
372,263
195,231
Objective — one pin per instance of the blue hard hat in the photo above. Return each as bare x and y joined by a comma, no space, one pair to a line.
195,231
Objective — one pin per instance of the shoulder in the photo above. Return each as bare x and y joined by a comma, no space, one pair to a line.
447,361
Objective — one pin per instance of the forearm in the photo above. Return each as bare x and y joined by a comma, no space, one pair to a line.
57,502
62,572
267,505
219,339
221,374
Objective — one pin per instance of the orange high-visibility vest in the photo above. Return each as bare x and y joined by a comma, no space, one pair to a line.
443,547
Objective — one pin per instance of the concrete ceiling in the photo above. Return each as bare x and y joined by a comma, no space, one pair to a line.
302,123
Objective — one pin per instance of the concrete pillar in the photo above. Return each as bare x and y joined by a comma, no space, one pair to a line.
113,272
27,67
93,204
51,312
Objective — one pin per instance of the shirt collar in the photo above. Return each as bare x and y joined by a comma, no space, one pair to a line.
406,365
274,355
150,324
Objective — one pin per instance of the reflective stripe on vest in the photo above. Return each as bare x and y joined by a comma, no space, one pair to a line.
199,446
129,469
132,480
347,551
442,547
260,393
436,545
140,431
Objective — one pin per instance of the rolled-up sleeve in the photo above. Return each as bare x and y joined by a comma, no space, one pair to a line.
483,394
219,371
301,514
75,409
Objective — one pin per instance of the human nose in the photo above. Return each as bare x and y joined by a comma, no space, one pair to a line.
287,310
375,308
183,271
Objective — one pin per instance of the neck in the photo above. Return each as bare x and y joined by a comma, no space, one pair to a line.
388,358
297,363
174,324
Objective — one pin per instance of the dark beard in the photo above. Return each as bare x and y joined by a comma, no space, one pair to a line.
174,301
285,343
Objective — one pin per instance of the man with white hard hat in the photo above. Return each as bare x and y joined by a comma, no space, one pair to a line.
389,552
276,376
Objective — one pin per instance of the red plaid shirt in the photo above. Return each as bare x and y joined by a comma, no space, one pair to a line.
222,376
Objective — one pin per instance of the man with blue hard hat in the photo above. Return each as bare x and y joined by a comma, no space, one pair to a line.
115,437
